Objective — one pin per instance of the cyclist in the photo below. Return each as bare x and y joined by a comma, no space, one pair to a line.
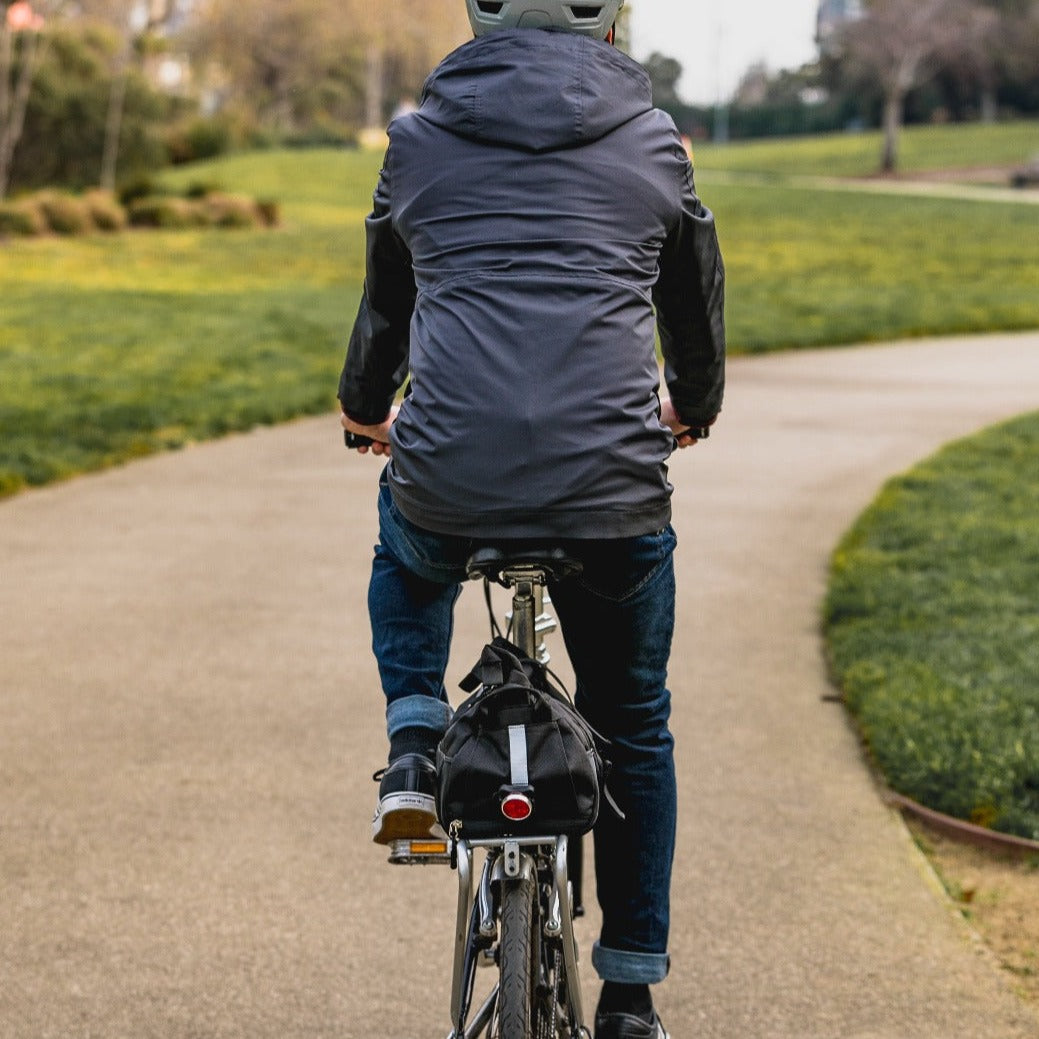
528,218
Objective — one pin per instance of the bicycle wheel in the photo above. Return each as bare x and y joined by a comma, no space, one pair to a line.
518,955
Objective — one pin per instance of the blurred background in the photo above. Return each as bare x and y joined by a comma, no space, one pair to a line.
183,185
93,92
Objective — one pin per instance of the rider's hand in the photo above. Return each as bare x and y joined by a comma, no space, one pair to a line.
669,417
380,433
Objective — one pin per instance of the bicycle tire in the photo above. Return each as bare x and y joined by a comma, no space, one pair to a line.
518,959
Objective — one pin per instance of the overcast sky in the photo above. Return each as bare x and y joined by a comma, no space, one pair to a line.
716,42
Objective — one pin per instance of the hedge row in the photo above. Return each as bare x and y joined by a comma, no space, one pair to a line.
58,213
933,630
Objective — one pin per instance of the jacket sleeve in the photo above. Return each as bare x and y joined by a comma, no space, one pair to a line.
377,355
690,301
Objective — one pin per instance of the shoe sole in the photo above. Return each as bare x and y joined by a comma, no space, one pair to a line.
658,1033
403,816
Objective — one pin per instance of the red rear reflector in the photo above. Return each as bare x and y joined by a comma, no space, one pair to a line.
517,807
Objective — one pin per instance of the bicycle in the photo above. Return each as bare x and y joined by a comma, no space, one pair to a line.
519,915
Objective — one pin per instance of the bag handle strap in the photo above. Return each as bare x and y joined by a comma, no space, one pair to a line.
500,662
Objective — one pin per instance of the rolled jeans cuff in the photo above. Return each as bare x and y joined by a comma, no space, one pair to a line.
630,968
422,712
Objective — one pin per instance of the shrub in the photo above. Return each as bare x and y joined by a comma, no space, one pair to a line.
199,139
67,109
269,211
65,214
933,631
21,218
201,188
162,212
138,187
102,211
323,134
105,211
230,211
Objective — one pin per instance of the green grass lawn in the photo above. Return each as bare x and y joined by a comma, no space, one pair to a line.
807,268
116,346
922,148
932,622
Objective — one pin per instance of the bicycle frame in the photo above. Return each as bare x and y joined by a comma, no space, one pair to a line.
479,929
545,859
477,916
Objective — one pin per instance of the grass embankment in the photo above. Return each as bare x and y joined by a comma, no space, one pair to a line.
812,268
808,268
933,629
116,346
922,149
113,347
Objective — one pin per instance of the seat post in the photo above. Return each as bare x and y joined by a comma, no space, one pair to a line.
526,570
527,596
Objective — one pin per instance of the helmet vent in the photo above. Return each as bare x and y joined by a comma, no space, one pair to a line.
584,17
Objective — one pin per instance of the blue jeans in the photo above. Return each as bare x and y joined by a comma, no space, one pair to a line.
617,619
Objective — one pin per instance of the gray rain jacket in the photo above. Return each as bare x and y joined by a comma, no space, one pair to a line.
529,216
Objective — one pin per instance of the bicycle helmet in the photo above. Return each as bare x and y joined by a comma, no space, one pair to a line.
588,18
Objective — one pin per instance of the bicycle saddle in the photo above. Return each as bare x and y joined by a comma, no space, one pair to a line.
491,560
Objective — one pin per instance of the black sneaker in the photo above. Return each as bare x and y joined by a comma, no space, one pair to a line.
628,1026
407,809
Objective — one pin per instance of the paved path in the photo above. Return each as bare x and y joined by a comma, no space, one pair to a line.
190,717
962,190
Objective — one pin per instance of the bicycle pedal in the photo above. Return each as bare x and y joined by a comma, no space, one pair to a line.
427,851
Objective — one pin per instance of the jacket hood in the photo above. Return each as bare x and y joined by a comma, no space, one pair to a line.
536,90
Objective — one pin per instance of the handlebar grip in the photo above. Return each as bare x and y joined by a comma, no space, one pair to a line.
356,440
696,432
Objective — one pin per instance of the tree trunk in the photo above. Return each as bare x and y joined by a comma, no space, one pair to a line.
373,92
892,127
6,61
989,104
114,125
12,116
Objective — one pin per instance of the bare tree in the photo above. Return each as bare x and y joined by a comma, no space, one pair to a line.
117,95
1025,58
338,59
1004,44
136,20
900,44
21,33
982,56
404,43
275,59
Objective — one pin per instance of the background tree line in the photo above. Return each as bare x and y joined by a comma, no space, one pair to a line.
902,61
90,85
95,91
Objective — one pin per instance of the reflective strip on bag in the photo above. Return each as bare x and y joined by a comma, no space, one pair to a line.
518,755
